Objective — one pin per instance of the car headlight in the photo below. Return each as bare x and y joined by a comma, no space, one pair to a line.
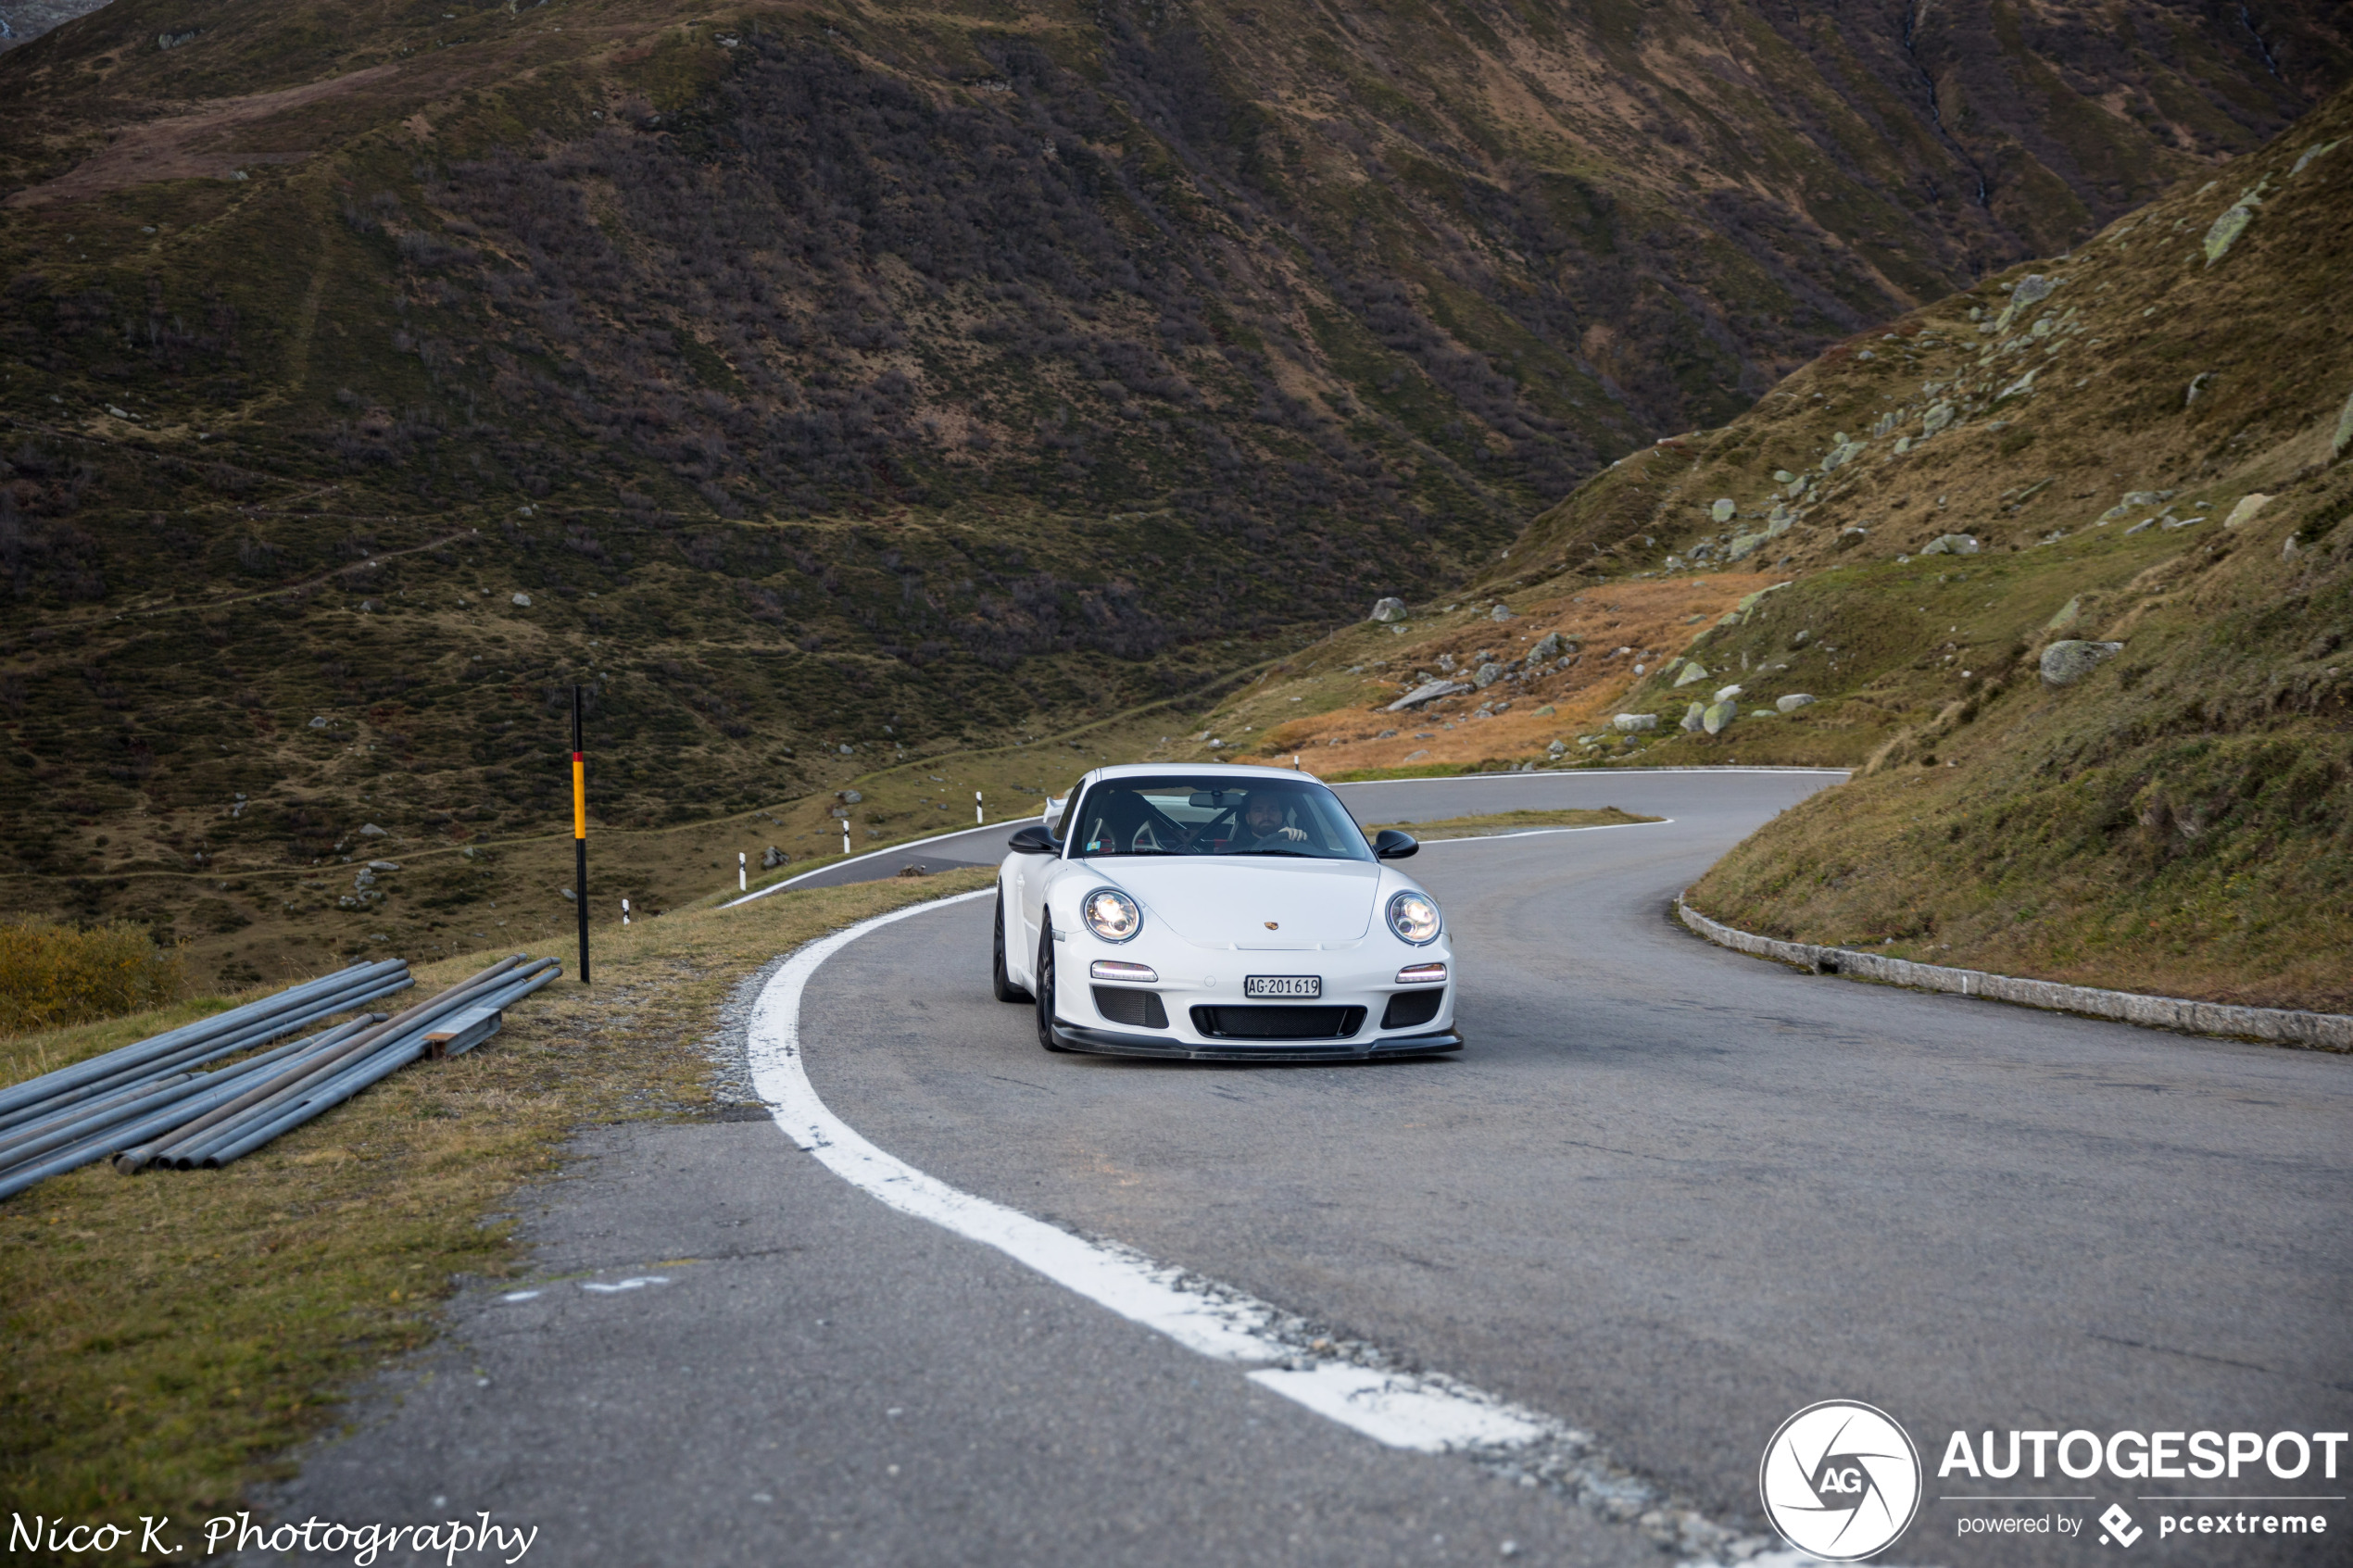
1414,916
1111,914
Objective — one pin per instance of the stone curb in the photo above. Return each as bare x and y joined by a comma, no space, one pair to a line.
2312,1031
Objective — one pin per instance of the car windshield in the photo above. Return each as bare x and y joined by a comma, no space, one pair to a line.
1176,815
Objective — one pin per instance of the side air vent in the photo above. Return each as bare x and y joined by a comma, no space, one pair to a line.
1409,1008
1137,1010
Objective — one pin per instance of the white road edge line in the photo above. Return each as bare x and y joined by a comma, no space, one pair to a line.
1423,1414
1401,1412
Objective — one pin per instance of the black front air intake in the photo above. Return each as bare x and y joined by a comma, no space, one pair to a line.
1410,1007
1279,1024
1138,1010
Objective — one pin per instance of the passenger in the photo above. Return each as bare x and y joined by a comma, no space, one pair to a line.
1265,825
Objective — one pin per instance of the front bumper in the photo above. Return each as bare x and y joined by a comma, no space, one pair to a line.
1166,1046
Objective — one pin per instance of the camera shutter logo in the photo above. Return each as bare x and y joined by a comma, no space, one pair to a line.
1841,1480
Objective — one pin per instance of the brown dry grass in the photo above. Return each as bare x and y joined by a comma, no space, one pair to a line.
171,1334
1342,733
52,976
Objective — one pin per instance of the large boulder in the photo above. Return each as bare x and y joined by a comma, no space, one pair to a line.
1429,690
2068,661
2247,509
1629,722
2226,230
2344,431
1723,509
1489,673
1718,715
1550,645
1389,611
1950,544
1692,716
1795,701
1727,694
1693,670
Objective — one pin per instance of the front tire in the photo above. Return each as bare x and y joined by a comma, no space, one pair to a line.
1002,980
1044,976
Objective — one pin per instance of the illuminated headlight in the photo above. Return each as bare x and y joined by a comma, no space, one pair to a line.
1114,968
1112,915
1422,974
1414,916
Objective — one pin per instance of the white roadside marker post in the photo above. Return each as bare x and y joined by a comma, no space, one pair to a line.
624,911
980,819
844,835
743,871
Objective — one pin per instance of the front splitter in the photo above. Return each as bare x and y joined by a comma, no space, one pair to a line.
1117,1042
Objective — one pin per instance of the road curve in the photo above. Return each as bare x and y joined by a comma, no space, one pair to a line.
1674,1194
1667,1193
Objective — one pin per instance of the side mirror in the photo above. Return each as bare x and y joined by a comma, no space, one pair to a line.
1034,840
1394,845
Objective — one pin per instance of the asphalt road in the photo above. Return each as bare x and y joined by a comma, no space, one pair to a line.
1667,1193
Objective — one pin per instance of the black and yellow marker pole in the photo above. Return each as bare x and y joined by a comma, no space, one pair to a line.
580,831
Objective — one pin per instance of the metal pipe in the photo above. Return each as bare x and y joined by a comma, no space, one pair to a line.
52,1123
170,1042
107,1141
133,1158
262,1098
289,1112
382,1065
153,1099
323,1005
370,1044
172,1039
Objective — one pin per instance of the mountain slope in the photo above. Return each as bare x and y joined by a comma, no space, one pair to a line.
803,379
2060,565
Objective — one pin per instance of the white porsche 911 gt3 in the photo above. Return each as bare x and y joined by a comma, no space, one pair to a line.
1220,913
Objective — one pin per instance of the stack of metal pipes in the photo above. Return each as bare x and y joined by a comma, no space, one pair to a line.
143,1105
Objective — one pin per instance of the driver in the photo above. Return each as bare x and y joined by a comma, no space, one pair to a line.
1265,825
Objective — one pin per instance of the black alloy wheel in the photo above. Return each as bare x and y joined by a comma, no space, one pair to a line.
1044,976
1006,990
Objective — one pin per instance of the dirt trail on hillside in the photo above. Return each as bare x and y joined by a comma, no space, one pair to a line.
188,146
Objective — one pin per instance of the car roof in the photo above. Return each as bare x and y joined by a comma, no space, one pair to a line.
1199,770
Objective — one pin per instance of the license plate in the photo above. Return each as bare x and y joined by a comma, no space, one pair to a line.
1282,986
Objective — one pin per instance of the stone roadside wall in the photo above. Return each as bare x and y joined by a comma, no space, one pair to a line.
2313,1031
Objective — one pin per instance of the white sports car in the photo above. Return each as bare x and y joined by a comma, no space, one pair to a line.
1220,913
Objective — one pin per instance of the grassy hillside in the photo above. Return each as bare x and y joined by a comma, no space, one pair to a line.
829,390
2139,449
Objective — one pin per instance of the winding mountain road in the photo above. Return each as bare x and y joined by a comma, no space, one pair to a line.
1668,1193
